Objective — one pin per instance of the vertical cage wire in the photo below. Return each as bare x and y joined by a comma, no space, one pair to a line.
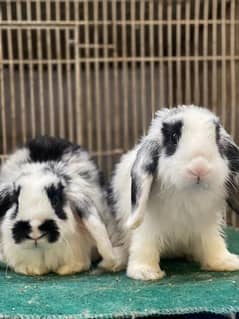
95,71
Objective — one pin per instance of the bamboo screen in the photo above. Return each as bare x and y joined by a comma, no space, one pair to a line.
95,71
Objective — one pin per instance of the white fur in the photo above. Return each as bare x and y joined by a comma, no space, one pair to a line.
180,218
79,237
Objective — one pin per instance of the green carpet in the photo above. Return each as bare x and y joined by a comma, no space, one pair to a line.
186,289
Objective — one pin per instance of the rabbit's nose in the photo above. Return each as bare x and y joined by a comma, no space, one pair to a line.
35,231
198,171
198,168
36,238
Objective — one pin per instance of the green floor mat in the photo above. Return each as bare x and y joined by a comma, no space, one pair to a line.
186,289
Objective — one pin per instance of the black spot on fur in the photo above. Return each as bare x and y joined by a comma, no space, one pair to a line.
217,130
111,200
46,148
57,199
21,231
9,197
152,163
231,152
171,136
15,200
102,181
135,191
146,162
50,228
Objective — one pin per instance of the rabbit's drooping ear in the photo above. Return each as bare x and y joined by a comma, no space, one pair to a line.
90,217
8,197
142,175
230,150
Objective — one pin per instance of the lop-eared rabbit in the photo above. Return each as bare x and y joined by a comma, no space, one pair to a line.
170,193
53,211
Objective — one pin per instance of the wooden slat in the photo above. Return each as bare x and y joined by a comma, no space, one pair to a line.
223,66
116,103
89,112
196,70
108,127
188,94
31,75
152,52
22,101
142,68
51,105
170,53
205,54
161,57
125,106
99,142
179,88
78,87
134,86
61,115
2,99
214,52
40,75
12,75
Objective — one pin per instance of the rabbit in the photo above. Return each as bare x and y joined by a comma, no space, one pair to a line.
169,193
53,210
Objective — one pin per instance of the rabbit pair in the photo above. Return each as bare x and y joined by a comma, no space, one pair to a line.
54,215
168,196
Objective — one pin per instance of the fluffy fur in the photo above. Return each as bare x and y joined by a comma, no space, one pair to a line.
170,193
54,216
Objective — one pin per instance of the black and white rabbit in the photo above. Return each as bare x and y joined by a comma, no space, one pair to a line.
53,210
170,193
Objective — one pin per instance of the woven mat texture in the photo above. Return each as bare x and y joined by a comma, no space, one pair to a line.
186,289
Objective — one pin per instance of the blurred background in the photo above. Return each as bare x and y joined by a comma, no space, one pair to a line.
95,71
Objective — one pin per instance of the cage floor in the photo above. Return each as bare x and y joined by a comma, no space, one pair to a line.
186,289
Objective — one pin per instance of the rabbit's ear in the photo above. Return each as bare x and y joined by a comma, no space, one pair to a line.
230,151
86,210
142,175
8,197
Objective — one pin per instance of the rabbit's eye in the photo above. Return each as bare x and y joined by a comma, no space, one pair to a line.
174,138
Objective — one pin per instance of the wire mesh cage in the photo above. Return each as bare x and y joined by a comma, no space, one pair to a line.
95,71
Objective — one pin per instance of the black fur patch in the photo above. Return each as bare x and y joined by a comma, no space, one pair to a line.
57,199
135,191
152,163
171,136
50,227
231,152
102,181
111,197
217,129
46,148
8,197
146,162
21,231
